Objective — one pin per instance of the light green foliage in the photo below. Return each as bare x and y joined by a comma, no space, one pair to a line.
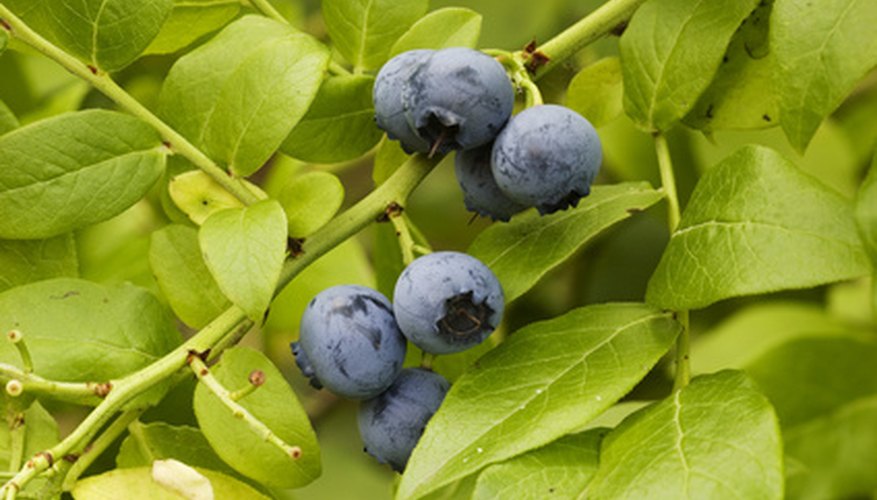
561,469
239,95
742,93
26,261
670,52
596,92
138,484
146,443
756,224
716,438
101,332
545,242
866,212
274,404
562,373
7,118
40,433
198,195
73,170
823,47
244,249
185,281
363,31
310,201
106,34
340,124
389,157
448,27
190,20
835,454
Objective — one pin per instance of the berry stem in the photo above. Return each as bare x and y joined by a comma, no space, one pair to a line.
17,339
589,29
99,445
406,242
17,435
668,183
85,393
106,85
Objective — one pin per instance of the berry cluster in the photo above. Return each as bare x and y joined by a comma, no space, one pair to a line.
461,99
353,340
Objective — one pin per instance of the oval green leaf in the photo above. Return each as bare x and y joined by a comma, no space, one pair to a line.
310,201
823,48
189,21
100,332
546,380
139,484
8,121
244,249
670,51
596,92
27,261
545,242
198,195
866,211
176,261
340,124
147,443
443,28
73,170
239,95
363,31
106,34
561,469
275,405
756,224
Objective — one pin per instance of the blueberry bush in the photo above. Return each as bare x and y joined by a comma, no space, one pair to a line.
511,249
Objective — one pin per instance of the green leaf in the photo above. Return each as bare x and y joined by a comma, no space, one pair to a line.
866,211
244,249
545,242
147,443
190,20
388,159
596,92
40,433
74,170
340,124
837,454
138,484
106,34
756,224
8,121
670,51
546,380
387,259
198,195
716,438
363,31
440,29
310,201
101,332
27,261
275,405
823,48
742,94
561,469
182,275
239,95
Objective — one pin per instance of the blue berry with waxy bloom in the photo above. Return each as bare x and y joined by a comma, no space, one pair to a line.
547,156
447,302
349,342
387,95
480,192
459,98
392,423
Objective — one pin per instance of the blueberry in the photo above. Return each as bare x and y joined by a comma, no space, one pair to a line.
458,99
387,95
547,156
391,424
349,342
480,192
447,302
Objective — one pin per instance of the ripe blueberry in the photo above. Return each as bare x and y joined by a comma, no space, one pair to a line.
447,302
387,95
349,342
547,156
458,98
391,424
480,192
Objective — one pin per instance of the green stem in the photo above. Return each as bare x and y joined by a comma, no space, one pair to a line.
112,432
86,393
589,29
395,189
265,7
17,435
338,70
17,339
105,84
406,242
668,183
